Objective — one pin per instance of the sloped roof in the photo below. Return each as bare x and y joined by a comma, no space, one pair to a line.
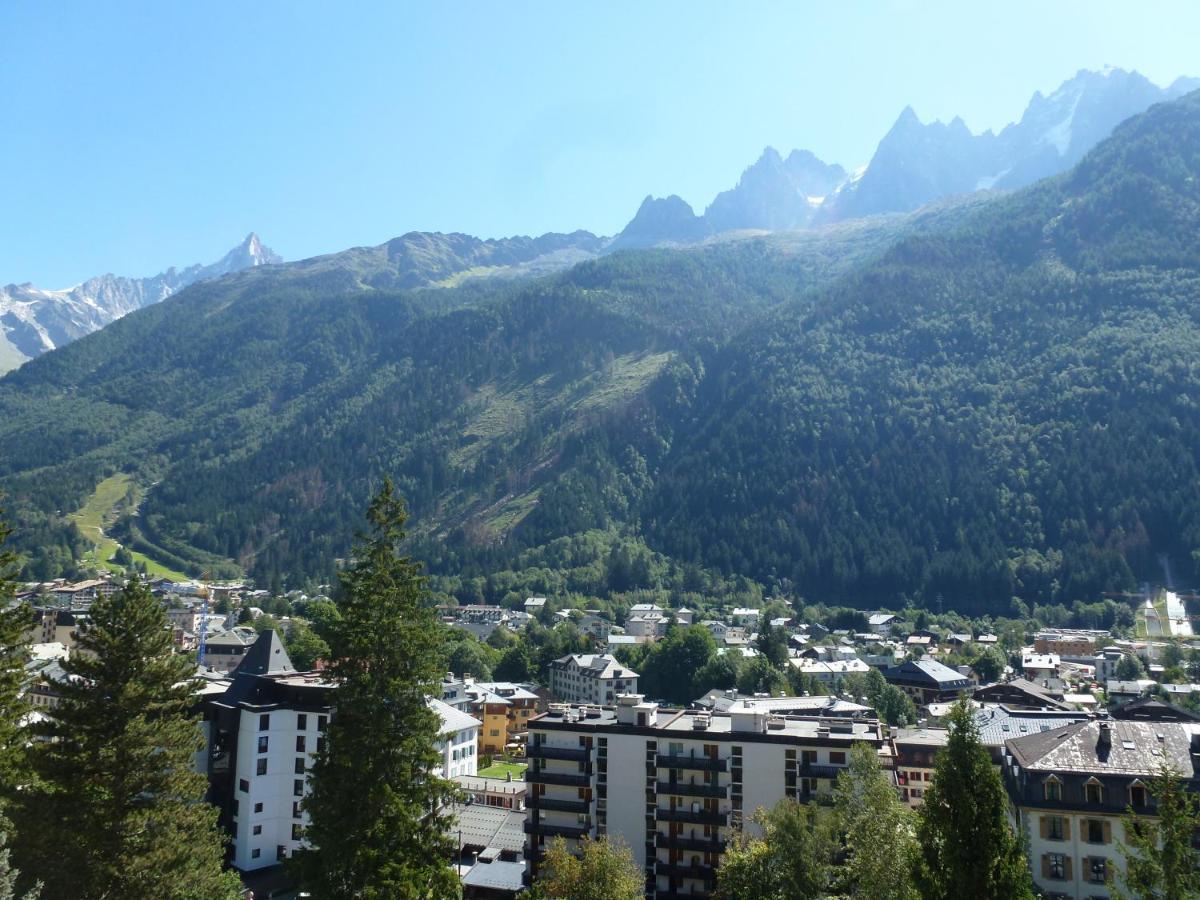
1134,748
929,671
266,656
453,720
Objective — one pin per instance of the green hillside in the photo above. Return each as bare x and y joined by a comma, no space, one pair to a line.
979,401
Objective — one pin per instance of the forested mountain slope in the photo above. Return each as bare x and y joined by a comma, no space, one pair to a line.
982,400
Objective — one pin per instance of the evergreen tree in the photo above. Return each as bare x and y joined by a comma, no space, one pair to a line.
119,808
878,829
16,619
9,875
604,870
966,846
379,826
1160,861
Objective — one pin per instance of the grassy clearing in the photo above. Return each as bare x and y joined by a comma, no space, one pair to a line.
98,513
503,769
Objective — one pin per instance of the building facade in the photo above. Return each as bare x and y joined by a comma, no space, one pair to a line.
675,785
591,678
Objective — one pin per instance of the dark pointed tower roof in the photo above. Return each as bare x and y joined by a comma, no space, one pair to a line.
266,656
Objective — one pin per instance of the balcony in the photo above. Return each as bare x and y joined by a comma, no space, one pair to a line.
680,842
562,778
696,817
700,763
542,751
683,789
543,802
673,895
812,770
565,831
685,870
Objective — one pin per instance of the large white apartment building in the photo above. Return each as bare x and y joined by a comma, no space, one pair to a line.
263,723
675,785
591,678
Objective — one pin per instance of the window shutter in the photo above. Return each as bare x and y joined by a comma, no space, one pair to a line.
1066,828
1067,868
1107,831
1044,824
1045,865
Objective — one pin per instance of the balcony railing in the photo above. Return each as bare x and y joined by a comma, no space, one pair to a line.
682,842
542,751
566,831
701,763
698,817
685,789
563,778
812,770
535,801
686,870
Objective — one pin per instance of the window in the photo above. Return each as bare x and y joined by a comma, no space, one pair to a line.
495,732
297,830
1137,794
262,766
1098,870
837,757
243,785
1094,791
299,766
255,853
264,722
257,829
295,809
1095,831
298,787
301,722
263,743
1054,828
280,851
321,721
300,742
1057,865
1053,788
258,807
320,744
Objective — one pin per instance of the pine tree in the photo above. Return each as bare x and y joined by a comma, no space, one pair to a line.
1159,857
9,875
379,826
603,870
16,619
967,848
119,810
878,829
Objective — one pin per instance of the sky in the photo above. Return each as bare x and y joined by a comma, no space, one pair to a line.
143,135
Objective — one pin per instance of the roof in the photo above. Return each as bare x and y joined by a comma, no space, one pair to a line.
929,737
266,656
881,618
1135,748
997,724
929,671
490,826
1031,690
598,665
498,875
453,720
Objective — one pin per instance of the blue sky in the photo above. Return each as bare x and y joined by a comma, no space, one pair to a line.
141,135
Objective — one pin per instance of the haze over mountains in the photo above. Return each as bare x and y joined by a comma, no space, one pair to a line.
980,399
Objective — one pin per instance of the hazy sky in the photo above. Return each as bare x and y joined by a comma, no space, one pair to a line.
141,135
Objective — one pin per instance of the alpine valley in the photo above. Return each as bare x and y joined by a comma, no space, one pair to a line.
967,372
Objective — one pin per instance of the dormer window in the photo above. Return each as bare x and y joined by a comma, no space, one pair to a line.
1137,794
1094,791
1052,788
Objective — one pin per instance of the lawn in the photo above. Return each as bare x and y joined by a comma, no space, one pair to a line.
100,511
502,769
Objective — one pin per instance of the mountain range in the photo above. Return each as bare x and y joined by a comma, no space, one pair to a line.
33,320
987,397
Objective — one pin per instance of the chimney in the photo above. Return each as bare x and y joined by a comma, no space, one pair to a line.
1104,741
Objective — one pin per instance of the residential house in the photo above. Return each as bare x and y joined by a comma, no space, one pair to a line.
881,623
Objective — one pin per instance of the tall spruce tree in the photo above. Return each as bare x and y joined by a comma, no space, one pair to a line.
16,619
967,848
378,814
119,809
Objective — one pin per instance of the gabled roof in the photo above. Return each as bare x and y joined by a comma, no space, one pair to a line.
1133,748
1034,694
453,720
266,656
928,671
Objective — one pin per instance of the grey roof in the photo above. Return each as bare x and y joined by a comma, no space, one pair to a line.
997,724
498,875
1031,689
489,826
929,671
266,656
1134,748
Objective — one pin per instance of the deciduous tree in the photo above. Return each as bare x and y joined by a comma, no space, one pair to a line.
603,870
879,831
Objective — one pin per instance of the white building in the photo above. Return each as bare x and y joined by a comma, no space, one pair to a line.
676,785
591,678
459,745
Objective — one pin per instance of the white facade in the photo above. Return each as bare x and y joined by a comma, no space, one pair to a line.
591,678
459,745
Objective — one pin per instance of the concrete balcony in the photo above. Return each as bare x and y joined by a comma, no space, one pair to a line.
572,754
557,803
683,842
697,763
563,778
696,817
686,789
557,830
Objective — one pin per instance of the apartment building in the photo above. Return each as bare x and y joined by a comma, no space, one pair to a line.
675,785
929,681
1070,787
262,724
504,708
591,678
